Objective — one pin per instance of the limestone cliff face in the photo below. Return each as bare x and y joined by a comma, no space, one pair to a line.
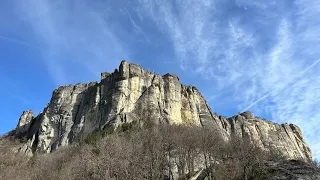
24,122
286,139
131,93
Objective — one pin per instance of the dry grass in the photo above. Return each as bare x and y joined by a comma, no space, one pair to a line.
153,153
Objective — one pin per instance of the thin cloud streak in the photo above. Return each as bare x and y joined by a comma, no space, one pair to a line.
257,101
136,26
20,42
254,56
286,86
82,35
260,62
311,66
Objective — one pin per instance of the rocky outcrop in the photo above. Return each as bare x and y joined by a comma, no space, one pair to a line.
283,170
132,93
24,122
286,139
293,170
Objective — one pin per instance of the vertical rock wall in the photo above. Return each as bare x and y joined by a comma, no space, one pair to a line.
132,93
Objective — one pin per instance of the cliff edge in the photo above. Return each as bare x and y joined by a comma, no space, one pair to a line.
132,93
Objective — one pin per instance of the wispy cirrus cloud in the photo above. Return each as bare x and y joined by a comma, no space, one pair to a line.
264,51
21,42
74,34
138,29
257,55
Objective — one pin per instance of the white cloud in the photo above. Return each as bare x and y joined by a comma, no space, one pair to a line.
261,55
73,35
268,54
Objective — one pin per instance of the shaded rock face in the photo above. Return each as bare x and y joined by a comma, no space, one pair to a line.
284,170
293,170
132,93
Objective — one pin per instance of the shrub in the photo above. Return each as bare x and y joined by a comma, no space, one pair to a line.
125,126
93,138
159,152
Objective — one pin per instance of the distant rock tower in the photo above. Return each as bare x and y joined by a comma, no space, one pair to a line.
24,122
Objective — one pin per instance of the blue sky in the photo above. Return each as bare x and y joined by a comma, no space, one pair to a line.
262,56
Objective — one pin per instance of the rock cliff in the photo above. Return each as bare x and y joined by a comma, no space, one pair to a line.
24,122
132,93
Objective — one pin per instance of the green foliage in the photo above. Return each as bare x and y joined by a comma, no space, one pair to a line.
126,126
94,138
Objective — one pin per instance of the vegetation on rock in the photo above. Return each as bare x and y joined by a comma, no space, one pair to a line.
132,152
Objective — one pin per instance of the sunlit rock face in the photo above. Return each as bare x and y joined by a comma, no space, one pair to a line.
24,122
285,139
132,93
